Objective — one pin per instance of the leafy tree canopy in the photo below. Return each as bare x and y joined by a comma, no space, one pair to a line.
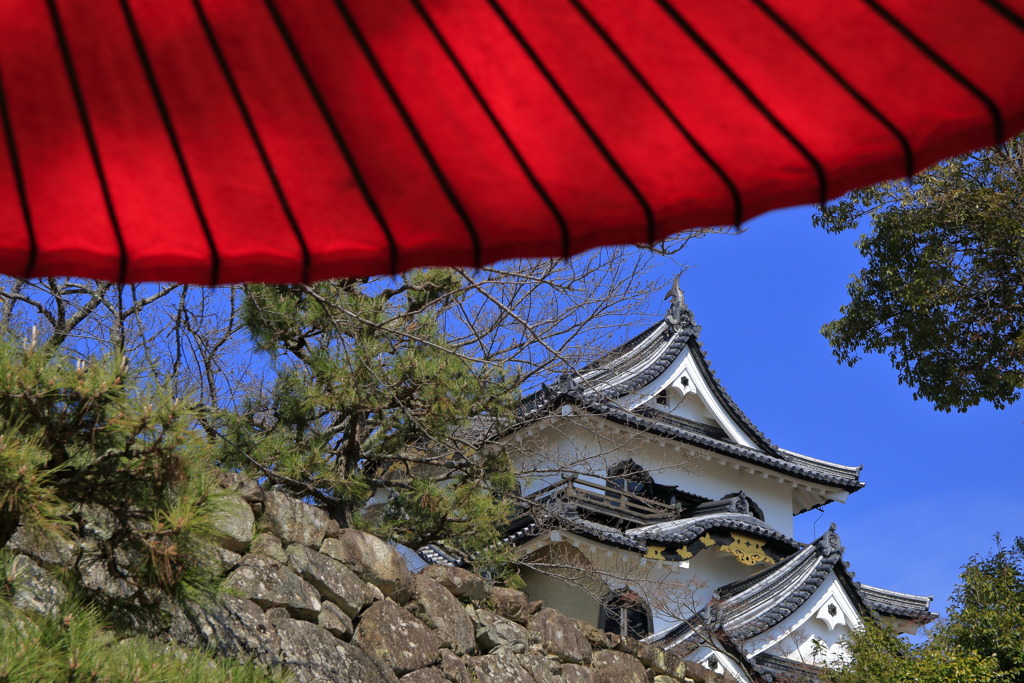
979,642
942,294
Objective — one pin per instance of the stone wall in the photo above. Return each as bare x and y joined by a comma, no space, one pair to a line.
332,604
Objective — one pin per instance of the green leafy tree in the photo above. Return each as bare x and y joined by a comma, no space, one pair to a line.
370,396
988,608
942,294
979,642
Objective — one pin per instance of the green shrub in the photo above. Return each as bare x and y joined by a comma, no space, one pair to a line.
74,644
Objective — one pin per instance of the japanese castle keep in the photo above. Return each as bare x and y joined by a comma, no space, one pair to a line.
658,510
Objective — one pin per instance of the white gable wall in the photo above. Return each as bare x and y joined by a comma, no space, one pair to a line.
812,634
684,380
705,656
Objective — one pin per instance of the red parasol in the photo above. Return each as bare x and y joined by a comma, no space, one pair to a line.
287,140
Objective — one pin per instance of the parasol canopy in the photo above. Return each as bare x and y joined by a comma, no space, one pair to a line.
217,141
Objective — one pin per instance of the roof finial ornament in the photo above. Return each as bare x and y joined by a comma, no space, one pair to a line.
677,312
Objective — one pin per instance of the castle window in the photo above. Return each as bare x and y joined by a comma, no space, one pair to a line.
626,614
662,398
629,477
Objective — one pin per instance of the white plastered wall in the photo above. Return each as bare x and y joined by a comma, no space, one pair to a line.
564,577
690,396
569,572
812,634
589,445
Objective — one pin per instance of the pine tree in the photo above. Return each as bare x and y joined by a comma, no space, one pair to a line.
369,399
79,441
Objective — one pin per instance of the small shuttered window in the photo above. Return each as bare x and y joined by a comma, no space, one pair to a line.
626,614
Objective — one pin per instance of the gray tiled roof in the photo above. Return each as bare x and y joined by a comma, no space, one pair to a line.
602,532
894,604
787,670
801,467
642,359
683,531
435,554
747,608
677,532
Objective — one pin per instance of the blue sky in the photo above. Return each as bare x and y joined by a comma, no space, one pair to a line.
938,485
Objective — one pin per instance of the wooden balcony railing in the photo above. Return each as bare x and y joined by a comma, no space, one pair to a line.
607,500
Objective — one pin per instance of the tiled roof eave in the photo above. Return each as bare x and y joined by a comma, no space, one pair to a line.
628,368
579,527
727,401
695,527
895,604
817,561
679,337
616,414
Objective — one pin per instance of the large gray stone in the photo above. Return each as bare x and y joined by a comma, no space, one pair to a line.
510,603
441,611
463,584
596,637
704,675
312,654
543,669
293,521
97,577
454,668
374,561
626,644
278,613
612,666
501,667
97,521
270,545
34,588
233,524
270,584
392,635
574,673
558,635
334,620
661,661
335,581
235,627
430,675
248,489
51,551
494,632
